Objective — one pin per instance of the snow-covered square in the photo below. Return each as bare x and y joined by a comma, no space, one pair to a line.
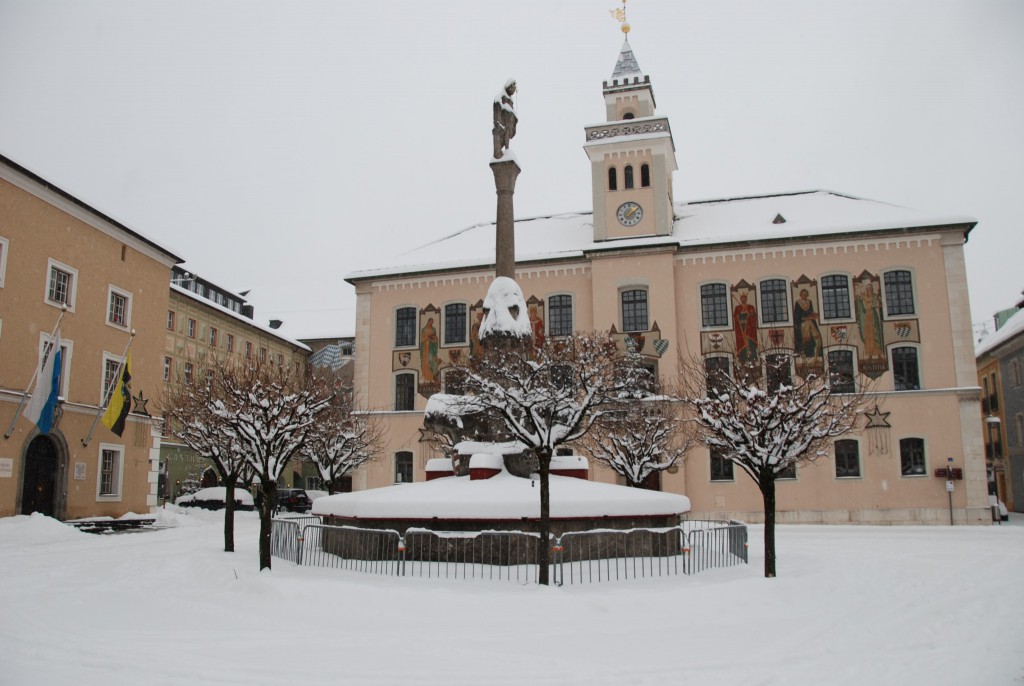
852,605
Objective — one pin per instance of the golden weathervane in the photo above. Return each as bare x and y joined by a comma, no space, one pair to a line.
619,15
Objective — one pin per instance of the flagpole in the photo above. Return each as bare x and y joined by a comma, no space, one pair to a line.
109,392
24,396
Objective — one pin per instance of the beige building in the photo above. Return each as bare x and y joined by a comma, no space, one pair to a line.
204,319
55,250
873,294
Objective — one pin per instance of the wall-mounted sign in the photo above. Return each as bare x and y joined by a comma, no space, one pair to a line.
6,467
79,471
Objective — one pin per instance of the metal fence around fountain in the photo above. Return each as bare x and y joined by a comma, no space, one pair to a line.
577,557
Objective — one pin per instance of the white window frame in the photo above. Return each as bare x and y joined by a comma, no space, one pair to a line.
117,473
212,334
924,444
853,355
852,317
728,305
5,247
168,367
52,264
191,327
860,460
572,313
415,328
412,466
885,300
443,328
787,308
107,357
111,290
892,367
230,342
65,377
647,306
172,320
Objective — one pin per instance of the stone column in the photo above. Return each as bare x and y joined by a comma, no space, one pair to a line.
505,173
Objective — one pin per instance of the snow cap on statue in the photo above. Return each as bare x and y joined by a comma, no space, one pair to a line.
505,311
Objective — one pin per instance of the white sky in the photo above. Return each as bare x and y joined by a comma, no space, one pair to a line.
278,146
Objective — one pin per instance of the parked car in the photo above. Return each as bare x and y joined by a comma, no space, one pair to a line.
293,500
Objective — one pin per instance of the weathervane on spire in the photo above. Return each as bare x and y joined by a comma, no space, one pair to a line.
619,15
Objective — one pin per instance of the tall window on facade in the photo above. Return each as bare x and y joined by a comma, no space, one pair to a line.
774,303
188,373
248,350
716,374
560,315
899,293
634,310
263,355
455,323
403,467
110,368
627,175
405,392
835,296
721,468
847,459
110,472
905,373
231,343
167,368
1015,377
787,473
117,309
613,179
170,320
778,371
405,327
213,336
454,382
840,371
912,457
714,305
60,286
645,176
191,328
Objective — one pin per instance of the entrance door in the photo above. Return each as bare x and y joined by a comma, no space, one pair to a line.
40,477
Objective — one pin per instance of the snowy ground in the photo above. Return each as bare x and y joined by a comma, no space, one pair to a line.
853,605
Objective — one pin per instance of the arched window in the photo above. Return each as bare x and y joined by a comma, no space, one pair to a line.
613,179
628,176
645,175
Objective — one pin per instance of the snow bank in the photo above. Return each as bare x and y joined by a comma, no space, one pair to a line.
36,528
216,493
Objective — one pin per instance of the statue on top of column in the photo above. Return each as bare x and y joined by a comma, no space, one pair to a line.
505,119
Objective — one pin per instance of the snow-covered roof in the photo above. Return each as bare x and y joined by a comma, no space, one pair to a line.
698,225
626,65
1013,327
503,496
234,315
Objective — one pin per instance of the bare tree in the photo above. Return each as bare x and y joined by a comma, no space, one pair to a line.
189,416
647,437
341,439
767,431
546,397
267,412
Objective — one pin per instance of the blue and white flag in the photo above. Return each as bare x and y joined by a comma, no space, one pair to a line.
41,407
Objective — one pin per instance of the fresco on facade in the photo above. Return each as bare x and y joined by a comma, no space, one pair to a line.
476,315
872,359
535,310
430,343
744,324
807,342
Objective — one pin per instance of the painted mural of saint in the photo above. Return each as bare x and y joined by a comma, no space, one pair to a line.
429,364
744,325
537,324
806,335
869,320
474,333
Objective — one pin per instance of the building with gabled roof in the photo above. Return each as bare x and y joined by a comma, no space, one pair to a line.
872,294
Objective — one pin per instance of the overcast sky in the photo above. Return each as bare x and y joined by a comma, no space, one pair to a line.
277,146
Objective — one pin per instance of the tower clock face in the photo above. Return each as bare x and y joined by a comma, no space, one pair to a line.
630,214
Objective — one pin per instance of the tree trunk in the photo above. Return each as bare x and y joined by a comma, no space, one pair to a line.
767,485
266,523
330,487
544,549
229,513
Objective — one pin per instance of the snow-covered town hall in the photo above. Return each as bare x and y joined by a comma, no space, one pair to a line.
872,294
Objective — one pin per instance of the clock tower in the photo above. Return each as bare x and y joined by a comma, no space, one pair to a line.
632,157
